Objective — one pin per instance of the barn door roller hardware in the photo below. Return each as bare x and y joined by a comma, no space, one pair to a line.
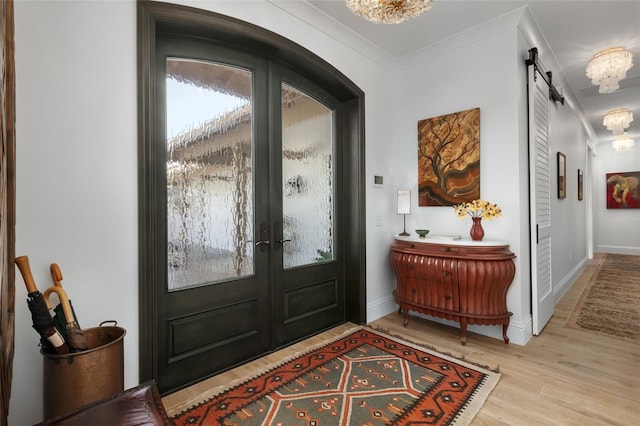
554,94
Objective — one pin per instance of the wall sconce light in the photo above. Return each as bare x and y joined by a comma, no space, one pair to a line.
404,207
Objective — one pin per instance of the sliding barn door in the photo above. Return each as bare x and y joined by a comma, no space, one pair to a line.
540,200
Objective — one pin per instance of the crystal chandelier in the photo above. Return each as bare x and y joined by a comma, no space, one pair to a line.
388,11
623,143
617,120
608,67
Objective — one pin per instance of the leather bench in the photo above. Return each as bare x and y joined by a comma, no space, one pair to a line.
141,405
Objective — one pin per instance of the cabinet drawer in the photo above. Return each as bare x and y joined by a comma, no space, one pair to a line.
437,283
427,281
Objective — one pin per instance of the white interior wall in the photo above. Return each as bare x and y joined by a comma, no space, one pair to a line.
76,173
616,230
568,215
480,74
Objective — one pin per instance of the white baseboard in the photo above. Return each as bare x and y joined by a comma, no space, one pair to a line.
601,248
563,286
381,308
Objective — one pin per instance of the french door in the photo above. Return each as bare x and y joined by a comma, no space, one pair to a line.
246,175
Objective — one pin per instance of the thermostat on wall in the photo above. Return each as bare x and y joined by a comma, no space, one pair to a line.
378,181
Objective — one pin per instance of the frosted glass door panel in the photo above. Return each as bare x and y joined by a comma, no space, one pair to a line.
209,173
308,174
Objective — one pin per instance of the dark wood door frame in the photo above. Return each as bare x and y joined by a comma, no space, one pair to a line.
7,207
156,17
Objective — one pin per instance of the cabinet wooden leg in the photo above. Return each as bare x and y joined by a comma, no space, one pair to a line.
504,333
463,330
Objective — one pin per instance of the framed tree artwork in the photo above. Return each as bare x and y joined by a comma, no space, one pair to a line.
562,176
449,158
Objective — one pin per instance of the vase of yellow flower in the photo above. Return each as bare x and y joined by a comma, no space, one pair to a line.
477,232
477,210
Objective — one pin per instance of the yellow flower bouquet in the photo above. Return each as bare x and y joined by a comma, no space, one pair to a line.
478,208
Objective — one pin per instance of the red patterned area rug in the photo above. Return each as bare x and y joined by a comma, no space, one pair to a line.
365,378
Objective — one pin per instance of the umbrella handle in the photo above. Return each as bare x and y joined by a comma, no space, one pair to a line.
64,302
23,264
56,274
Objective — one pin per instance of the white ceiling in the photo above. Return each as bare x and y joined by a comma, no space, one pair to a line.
574,30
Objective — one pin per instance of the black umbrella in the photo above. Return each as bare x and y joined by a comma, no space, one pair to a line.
64,313
76,339
50,338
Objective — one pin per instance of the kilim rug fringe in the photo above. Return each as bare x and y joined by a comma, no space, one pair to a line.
453,389
420,345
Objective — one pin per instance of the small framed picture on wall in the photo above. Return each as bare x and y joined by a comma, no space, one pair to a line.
580,185
562,176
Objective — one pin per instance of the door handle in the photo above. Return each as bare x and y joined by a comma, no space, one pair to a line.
277,231
264,236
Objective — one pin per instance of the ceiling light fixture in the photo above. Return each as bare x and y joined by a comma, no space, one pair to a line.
623,143
389,11
617,120
608,67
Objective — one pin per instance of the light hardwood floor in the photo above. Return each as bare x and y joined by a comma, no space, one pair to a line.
565,376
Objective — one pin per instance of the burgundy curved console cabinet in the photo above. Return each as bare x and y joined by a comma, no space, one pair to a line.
461,281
